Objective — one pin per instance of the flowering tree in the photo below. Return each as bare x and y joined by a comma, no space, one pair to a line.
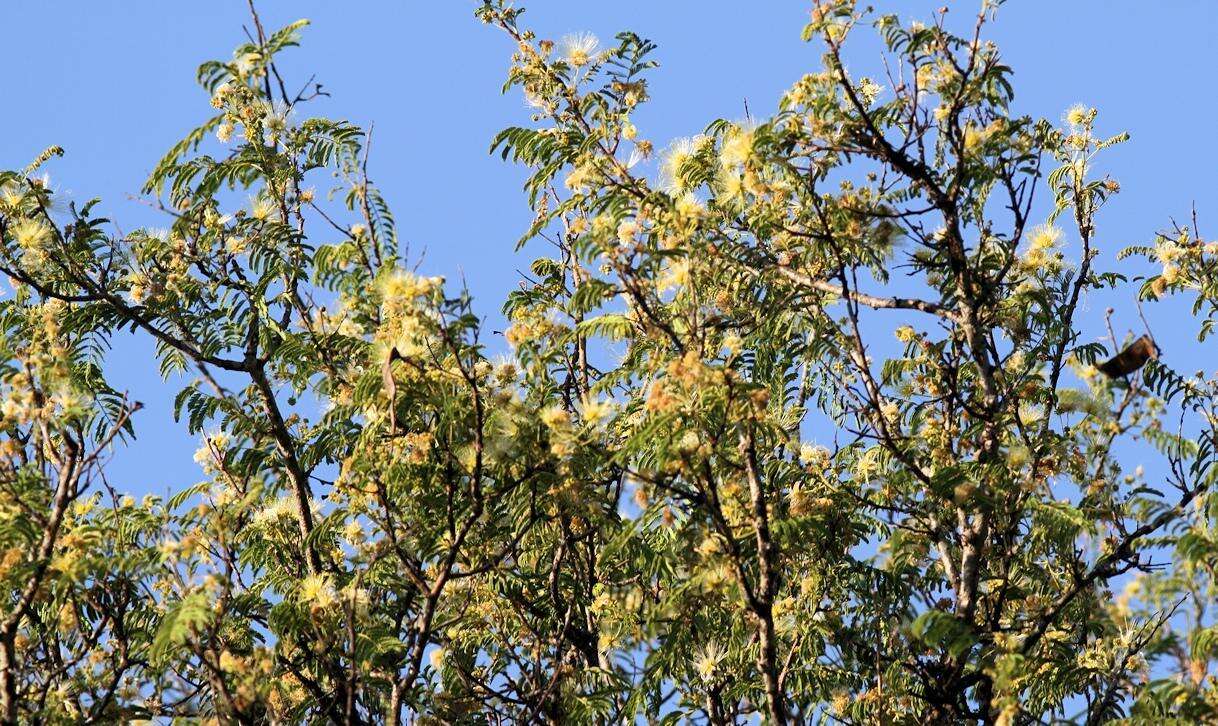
707,484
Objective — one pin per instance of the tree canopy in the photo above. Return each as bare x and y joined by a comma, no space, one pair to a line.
806,430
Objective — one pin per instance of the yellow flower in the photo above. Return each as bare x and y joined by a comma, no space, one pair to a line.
276,510
925,75
869,90
975,137
602,224
906,334
31,234
316,589
580,48
1168,252
678,155
204,456
139,292
1045,237
867,464
276,118
676,276
518,333
1018,455
217,99
505,371
810,454
627,231
689,206
261,209
1076,115
224,132
594,410
659,400
731,185
1030,414
555,417
400,286
579,178
11,195
840,702
707,661
737,147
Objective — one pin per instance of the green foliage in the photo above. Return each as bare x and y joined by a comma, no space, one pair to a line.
628,518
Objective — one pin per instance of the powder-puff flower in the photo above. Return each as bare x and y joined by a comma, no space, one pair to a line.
677,156
1076,114
580,48
31,234
706,662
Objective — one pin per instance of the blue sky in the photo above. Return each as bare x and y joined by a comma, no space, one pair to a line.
112,82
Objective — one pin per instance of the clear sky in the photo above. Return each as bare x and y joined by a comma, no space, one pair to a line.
112,82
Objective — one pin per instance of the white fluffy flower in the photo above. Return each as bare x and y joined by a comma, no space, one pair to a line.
580,48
